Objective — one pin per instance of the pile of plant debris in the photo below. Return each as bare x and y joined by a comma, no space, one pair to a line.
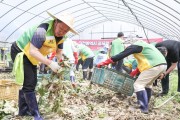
59,100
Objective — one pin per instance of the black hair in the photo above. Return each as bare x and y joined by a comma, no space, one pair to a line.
59,21
103,52
163,50
120,34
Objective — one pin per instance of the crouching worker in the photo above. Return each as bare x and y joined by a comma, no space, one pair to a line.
31,48
87,56
149,65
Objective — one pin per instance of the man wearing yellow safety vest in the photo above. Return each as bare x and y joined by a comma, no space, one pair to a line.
35,43
151,64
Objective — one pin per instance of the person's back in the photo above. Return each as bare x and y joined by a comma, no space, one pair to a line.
87,56
86,51
173,48
116,47
147,58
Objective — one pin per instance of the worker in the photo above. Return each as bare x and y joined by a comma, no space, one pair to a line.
149,65
31,47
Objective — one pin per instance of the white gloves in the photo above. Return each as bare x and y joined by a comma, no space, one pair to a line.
54,66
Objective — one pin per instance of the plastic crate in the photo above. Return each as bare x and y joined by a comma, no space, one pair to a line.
116,81
41,76
9,90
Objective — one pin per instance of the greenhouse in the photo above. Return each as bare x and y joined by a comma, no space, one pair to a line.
89,59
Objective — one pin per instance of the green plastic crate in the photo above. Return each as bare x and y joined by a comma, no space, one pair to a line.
41,76
113,80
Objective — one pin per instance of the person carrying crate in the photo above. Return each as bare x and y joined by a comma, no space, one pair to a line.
150,67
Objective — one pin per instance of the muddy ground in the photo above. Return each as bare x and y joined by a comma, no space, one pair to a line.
60,101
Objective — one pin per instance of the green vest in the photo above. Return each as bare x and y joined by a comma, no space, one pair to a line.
85,52
48,46
131,63
149,57
117,46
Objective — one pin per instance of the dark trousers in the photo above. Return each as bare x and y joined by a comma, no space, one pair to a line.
30,70
165,81
178,65
80,62
118,65
88,63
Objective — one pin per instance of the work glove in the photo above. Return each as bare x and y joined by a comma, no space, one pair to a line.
54,66
60,60
107,62
76,57
134,72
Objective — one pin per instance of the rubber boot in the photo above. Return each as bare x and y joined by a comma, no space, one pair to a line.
33,106
85,75
90,75
143,101
149,93
23,107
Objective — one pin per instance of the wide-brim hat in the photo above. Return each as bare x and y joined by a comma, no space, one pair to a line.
66,18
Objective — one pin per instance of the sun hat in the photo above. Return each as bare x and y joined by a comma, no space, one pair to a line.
66,18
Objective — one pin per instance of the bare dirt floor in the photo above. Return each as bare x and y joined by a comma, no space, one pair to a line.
58,100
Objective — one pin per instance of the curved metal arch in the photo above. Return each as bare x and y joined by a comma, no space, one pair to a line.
94,23
96,10
150,27
82,29
154,11
177,1
155,23
64,10
82,14
20,15
147,24
148,12
18,9
87,17
31,19
42,12
153,20
89,20
168,6
162,10
155,30
125,21
12,8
